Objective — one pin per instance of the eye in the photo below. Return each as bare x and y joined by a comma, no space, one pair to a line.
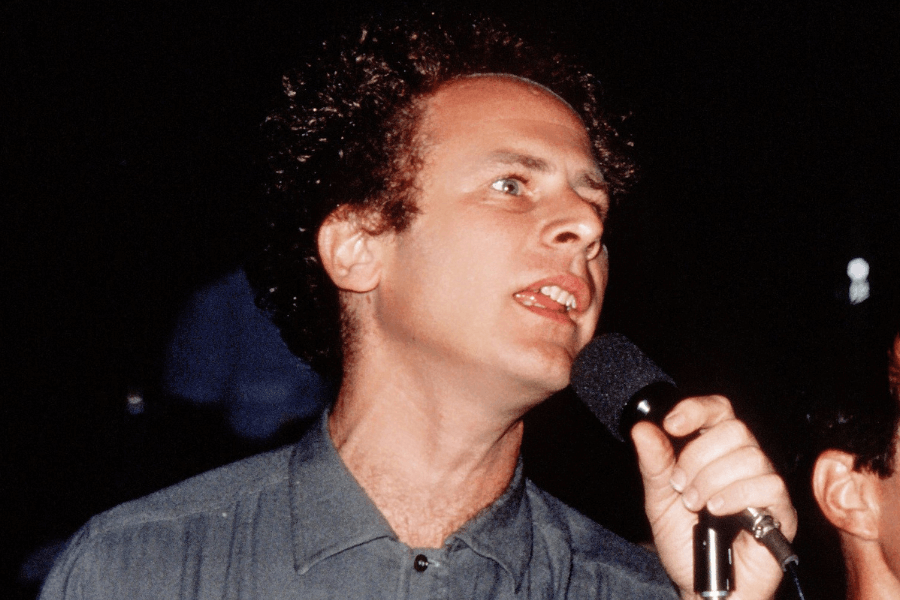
508,185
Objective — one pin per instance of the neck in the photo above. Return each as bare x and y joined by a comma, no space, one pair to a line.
429,460
868,575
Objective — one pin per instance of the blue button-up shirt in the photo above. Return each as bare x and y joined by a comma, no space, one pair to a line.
294,523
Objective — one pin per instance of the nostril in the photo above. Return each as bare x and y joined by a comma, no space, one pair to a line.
566,237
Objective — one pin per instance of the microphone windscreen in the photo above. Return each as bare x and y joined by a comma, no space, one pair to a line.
608,372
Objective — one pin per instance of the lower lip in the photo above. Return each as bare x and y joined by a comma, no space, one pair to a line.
554,315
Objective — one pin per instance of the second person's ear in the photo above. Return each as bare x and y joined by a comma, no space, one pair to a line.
848,498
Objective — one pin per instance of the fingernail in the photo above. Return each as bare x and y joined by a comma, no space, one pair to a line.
690,499
715,503
678,480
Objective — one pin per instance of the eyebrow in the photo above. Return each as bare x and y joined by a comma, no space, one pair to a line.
588,179
532,163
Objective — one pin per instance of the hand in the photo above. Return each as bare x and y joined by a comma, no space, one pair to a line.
724,470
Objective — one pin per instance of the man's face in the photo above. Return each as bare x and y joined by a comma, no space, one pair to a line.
500,277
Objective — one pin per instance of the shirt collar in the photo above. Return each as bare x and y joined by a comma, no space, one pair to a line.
331,513
503,530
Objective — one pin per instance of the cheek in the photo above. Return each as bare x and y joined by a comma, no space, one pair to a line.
599,274
890,524
598,271
449,266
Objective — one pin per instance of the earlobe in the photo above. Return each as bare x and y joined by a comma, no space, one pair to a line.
848,498
350,252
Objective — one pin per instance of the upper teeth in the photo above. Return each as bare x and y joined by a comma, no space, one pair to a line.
560,295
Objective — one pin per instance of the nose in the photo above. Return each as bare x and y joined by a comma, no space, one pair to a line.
574,225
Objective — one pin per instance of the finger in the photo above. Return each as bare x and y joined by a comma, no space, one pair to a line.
694,414
715,443
766,491
744,463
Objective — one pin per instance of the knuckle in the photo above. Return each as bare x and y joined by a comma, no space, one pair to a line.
779,487
735,430
772,486
719,404
756,460
762,464
720,400
690,404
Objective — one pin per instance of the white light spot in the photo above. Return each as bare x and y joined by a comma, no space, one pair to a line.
858,269
135,403
858,272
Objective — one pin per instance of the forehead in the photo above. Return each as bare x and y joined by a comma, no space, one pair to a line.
479,101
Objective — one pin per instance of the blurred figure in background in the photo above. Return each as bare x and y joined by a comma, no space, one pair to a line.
224,350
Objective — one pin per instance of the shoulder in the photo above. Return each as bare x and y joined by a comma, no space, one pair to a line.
600,560
207,492
144,547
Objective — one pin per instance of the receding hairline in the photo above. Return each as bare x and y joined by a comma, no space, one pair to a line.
423,103
522,80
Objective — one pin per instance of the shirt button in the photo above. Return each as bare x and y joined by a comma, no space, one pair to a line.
420,563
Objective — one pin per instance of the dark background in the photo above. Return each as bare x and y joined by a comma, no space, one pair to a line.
767,134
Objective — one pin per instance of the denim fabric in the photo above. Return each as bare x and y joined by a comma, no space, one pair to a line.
294,523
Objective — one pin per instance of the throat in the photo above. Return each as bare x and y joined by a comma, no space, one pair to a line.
426,492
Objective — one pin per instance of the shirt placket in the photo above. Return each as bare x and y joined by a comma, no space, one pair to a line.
428,571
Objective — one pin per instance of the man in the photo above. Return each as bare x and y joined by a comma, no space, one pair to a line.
437,211
855,479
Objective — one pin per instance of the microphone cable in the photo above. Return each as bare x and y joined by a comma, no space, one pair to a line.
791,570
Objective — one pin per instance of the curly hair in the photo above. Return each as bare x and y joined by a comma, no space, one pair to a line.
346,136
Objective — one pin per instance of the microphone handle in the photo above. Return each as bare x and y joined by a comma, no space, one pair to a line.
713,568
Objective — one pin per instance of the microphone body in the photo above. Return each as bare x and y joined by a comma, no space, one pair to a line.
622,386
713,569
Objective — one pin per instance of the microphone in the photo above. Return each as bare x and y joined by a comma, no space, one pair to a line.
622,386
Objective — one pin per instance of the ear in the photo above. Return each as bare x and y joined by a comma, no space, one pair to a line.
350,252
848,498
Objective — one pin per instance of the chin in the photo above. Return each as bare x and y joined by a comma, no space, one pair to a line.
547,377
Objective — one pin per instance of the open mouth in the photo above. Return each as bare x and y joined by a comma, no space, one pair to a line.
549,297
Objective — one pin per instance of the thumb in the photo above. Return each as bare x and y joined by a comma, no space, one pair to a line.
656,460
